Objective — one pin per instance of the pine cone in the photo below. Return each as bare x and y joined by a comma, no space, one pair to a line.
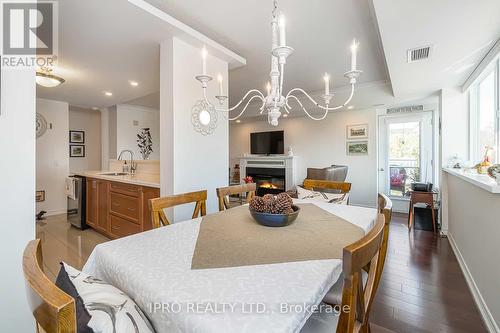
282,204
257,204
268,203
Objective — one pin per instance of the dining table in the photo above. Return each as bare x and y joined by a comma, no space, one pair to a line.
155,269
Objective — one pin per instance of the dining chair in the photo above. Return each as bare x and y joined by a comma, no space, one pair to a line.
223,194
357,298
384,208
53,309
314,184
334,295
158,205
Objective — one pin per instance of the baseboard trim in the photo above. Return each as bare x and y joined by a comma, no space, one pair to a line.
56,212
488,319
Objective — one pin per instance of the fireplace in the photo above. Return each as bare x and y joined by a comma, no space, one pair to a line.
268,180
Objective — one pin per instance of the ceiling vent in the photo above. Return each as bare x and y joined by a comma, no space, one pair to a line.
419,54
406,109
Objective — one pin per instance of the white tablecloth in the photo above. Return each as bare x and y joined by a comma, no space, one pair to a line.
154,268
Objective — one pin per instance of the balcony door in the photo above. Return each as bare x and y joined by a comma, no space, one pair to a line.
405,152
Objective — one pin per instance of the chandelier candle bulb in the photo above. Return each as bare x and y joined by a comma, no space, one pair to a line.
354,52
276,104
221,90
204,54
327,83
282,30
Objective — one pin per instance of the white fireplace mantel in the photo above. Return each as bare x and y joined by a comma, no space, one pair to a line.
289,163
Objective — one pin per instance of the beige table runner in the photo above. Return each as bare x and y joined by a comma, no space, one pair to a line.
233,238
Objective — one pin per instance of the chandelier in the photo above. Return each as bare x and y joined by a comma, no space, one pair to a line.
274,102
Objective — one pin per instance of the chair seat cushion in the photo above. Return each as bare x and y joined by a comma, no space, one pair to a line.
111,310
334,295
321,322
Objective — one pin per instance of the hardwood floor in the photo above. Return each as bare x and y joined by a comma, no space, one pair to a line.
422,288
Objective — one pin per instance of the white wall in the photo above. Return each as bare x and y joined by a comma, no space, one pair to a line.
454,124
189,160
52,156
112,119
474,232
126,130
320,144
454,138
89,121
104,138
17,195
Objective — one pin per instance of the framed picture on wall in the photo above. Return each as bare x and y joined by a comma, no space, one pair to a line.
40,196
76,151
357,131
357,148
76,137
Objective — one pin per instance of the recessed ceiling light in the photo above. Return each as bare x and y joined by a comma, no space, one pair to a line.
238,121
350,107
95,108
285,115
133,83
108,93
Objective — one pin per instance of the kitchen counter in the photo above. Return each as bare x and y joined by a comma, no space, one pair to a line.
149,180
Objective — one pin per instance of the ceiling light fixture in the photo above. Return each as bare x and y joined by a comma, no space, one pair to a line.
133,83
350,107
45,78
107,93
275,103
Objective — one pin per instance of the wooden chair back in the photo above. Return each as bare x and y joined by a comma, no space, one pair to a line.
358,299
384,208
223,194
53,309
311,184
158,205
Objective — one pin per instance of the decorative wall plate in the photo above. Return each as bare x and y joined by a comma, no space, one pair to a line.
204,117
41,125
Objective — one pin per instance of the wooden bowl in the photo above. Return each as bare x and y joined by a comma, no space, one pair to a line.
276,220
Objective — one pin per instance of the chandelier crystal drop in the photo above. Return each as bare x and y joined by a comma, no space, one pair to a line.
275,103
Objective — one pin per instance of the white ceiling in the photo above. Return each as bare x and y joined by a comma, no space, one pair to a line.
104,44
320,32
460,31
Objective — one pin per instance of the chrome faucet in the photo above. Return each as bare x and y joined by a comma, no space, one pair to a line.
128,168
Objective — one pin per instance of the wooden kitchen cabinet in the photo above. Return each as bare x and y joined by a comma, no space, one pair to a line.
97,204
118,209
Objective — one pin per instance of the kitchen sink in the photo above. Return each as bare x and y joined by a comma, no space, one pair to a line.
114,174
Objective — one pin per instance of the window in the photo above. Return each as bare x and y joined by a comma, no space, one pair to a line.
485,115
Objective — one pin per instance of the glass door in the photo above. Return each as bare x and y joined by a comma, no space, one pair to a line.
405,152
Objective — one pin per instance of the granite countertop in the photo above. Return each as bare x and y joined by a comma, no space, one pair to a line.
144,179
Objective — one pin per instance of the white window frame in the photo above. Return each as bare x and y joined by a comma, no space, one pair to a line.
476,151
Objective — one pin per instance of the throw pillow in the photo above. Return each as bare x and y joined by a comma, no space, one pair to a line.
319,196
111,309
82,315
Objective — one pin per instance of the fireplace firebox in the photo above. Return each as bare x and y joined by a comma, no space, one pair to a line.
268,180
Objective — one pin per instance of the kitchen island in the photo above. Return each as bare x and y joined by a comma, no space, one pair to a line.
117,204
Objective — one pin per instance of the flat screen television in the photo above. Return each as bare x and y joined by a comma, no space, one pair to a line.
267,143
